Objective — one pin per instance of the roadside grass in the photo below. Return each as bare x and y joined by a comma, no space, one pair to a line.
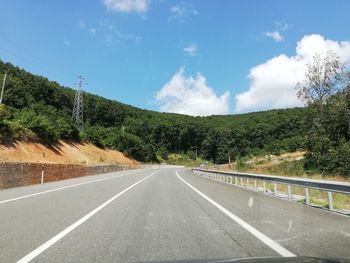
292,168
318,198
182,159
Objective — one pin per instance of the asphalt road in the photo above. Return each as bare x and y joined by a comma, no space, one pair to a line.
162,215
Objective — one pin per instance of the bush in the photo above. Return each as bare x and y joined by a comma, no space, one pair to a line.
66,129
241,163
94,135
164,154
295,168
191,155
341,159
39,124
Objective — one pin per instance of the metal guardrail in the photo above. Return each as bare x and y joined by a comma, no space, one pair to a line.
328,186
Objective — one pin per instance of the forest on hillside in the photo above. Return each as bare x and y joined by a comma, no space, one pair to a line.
35,108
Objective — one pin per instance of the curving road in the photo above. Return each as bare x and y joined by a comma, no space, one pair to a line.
160,215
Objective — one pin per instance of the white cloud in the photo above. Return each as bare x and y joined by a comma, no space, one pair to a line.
275,35
92,31
191,50
272,84
283,26
182,11
81,24
191,96
128,36
113,34
127,5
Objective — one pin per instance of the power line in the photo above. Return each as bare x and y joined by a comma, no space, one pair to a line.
3,86
78,109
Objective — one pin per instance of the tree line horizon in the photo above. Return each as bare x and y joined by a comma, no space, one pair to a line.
36,109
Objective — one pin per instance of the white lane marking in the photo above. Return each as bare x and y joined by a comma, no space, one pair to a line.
69,229
290,225
64,187
251,202
265,239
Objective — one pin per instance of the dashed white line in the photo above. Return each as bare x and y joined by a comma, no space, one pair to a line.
69,229
262,237
61,188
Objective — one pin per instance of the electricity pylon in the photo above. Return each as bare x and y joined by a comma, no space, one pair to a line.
78,109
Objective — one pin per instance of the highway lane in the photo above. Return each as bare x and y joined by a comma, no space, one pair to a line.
301,229
8,195
160,219
27,223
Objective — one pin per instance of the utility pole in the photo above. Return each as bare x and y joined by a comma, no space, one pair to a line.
3,86
78,110
229,159
196,151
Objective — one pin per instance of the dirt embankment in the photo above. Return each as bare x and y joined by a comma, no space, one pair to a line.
62,153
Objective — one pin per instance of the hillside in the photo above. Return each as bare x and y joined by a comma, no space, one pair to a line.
62,153
40,110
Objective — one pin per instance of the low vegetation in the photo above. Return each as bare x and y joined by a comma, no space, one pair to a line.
289,164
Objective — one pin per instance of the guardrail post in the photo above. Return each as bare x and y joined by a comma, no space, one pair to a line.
264,186
231,180
275,188
42,174
247,186
289,191
255,184
330,201
307,196
241,181
236,180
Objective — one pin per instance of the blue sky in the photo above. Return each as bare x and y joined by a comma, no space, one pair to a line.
193,57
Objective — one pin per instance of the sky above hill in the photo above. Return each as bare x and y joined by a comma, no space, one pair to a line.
197,57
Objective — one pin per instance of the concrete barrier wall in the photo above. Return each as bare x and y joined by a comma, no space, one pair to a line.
20,174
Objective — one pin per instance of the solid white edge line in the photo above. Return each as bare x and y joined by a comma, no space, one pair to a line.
69,229
63,187
262,237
